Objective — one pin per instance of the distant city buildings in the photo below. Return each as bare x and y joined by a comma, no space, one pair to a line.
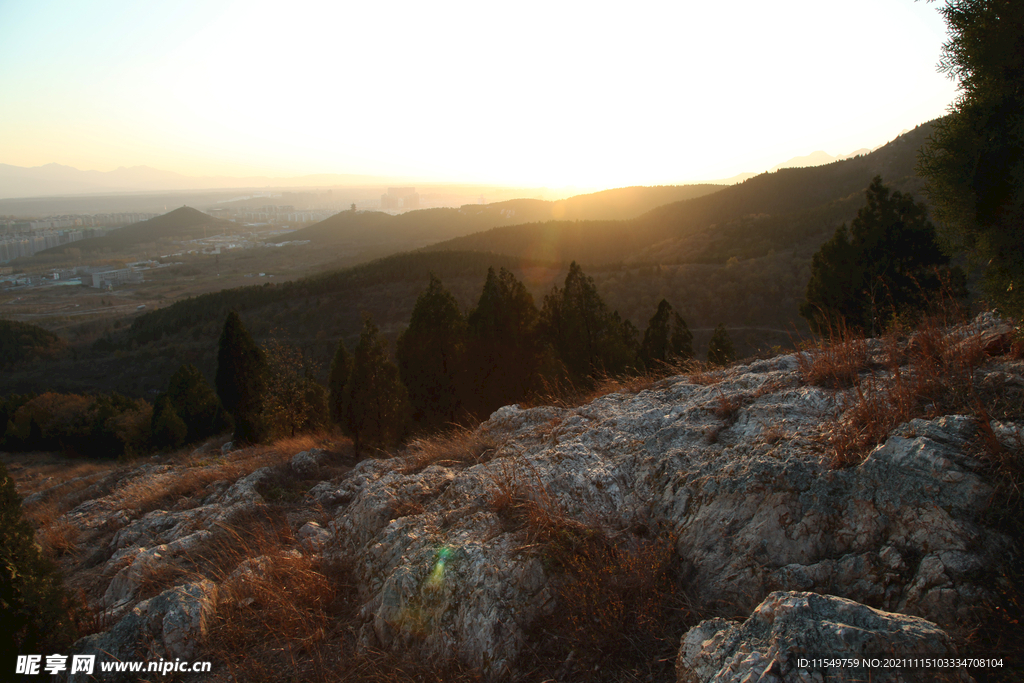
400,198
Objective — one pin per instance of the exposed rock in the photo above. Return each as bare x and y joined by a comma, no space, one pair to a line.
168,626
307,463
731,465
789,631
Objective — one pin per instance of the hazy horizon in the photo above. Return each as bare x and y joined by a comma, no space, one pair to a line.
570,96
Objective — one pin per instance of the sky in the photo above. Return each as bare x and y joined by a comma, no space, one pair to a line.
527,93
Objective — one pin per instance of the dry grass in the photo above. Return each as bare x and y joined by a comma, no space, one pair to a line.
931,374
835,360
295,617
705,374
458,447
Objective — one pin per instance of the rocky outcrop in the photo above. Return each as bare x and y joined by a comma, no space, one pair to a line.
808,638
729,464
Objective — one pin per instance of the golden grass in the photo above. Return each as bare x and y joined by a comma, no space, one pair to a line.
460,446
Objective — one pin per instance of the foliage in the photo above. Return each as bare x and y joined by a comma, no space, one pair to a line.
169,430
886,264
720,349
666,339
975,160
195,403
588,339
37,611
376,403
430,354
504,350
95,426
341,367
293,402
241,378
22,341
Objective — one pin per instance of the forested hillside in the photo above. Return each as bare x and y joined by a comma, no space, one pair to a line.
790,208
739,257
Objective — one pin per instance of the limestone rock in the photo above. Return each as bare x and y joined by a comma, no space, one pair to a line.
788,631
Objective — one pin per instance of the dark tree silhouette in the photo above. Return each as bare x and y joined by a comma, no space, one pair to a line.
587,338
430,355
341,368
503,348
241,379
720,350
666,339
887,263
974,162
194,401
376,404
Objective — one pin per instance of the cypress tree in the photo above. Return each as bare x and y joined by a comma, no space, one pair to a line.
341,368
503,347
720,350
430,355
195,403
587,338
241,378
666,339
376,404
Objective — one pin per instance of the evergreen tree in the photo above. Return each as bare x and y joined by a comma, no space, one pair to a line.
975,160
720,350
666,339
376,404
887,263
36,610
341,368
430,355
195,402
587,338
503,348
241,379
169,430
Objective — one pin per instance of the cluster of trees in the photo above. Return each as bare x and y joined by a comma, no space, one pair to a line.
107,425
449,367
887,265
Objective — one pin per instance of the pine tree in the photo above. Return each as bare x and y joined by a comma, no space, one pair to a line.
720,350
341,368
503,348
430,355
887,263
241,379
35,607
666,339
376,404
195,402
587,338
974,162
169,430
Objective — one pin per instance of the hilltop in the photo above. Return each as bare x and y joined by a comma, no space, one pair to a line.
789,208
181,223
846,501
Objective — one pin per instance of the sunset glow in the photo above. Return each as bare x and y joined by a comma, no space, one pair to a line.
526,93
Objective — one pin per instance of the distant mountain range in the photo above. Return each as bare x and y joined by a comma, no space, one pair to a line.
57,179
